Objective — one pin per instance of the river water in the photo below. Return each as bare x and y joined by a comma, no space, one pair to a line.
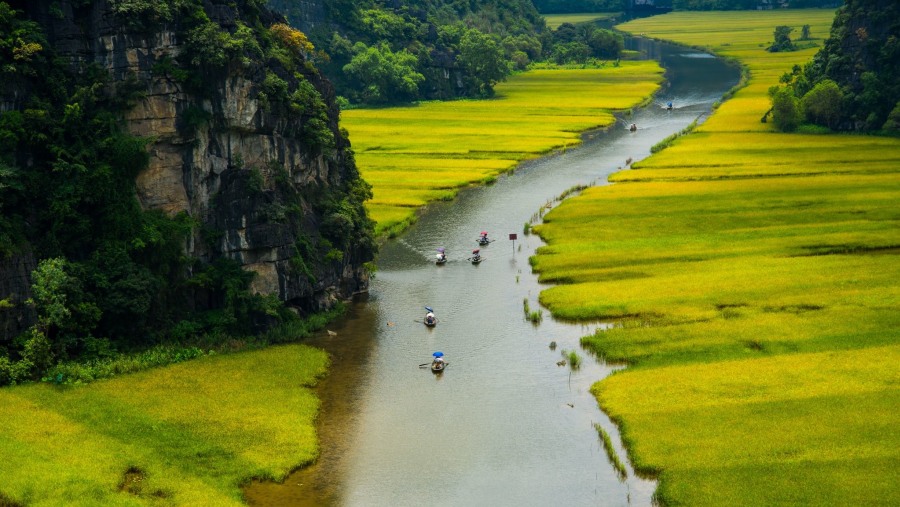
504,424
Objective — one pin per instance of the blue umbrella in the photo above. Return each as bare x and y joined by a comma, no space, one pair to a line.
438,354
441,249
429,309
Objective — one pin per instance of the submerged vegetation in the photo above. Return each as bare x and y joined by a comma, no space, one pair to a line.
753,279
419,154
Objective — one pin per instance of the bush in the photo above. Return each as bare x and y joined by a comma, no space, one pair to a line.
785,109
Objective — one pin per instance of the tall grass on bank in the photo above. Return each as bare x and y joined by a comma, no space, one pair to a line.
188,434
752,279
428,152
163,355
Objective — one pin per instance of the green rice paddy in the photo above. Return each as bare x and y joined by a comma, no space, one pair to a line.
752,277
428,152
188,434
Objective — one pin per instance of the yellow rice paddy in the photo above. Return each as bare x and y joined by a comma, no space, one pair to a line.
428,152
753,279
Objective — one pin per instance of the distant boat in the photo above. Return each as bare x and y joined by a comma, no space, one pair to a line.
441,257
476,256
430,320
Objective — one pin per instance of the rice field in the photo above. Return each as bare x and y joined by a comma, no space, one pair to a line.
428,152
555,20
752,277
188,434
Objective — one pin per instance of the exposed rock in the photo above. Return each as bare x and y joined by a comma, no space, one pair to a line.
221,173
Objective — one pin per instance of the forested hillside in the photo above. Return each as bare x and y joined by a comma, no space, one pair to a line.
404,51
168,170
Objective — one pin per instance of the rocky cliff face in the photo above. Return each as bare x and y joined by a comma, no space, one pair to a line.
256,189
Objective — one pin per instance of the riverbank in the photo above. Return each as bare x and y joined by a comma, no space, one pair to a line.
753,276
428,152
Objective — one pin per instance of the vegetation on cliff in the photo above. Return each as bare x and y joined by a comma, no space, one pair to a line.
853,83
752,276
112,276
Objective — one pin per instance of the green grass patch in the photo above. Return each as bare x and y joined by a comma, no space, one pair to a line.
427,152
752,279
555,20
188,434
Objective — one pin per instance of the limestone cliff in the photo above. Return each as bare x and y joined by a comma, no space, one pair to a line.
265,179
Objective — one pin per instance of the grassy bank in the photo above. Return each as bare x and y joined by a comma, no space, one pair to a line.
428,152
754,276
187,434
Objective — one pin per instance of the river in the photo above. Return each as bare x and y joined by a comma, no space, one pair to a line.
504,424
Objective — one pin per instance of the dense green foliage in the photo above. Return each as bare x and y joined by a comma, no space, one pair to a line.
112,277
853,83
378,52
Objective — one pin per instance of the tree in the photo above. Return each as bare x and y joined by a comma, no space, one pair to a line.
782,40
785,109
893,121
482,59
605,43
570,52
382,75
823,104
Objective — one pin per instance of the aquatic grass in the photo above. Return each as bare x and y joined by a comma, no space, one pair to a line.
534,316
426,152
751,279
573,358
196,431
611,452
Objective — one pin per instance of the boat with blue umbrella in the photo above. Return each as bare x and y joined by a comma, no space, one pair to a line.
438,363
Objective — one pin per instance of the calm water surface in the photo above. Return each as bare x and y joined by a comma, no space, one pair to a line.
504,424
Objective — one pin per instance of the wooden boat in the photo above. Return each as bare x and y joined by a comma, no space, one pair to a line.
483,241
430,321
437,367
476,259
441,260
